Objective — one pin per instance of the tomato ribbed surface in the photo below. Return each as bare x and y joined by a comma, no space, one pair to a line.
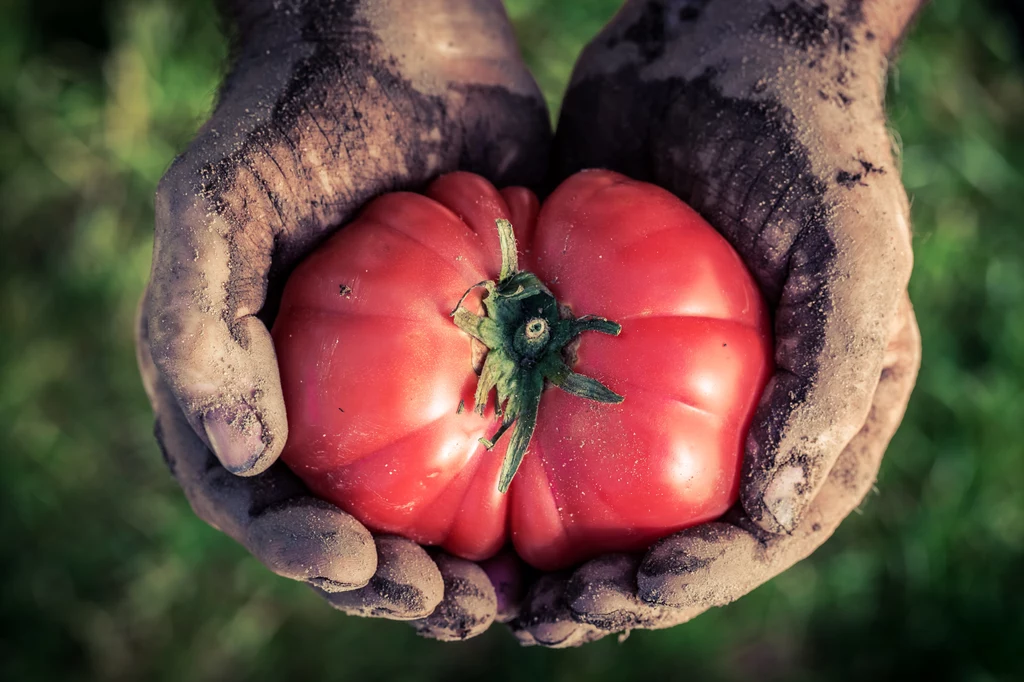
374,370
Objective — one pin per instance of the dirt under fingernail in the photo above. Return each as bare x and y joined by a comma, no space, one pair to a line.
236,437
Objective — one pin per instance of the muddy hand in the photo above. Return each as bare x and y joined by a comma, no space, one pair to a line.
713,564
327,105
766,116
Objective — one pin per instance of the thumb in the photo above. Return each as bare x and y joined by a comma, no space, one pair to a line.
217,358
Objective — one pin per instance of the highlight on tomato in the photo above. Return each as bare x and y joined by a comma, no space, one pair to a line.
465,367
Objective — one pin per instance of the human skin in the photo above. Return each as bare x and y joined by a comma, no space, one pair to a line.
765,115
327,105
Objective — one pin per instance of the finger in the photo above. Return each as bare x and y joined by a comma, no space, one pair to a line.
546,619
307,129
406,586
307,539
816,209
293,534
710,566
856,471
830,326
216,357
469,604
272,515
505,571
603,593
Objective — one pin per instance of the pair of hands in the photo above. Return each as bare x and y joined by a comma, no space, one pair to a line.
764,115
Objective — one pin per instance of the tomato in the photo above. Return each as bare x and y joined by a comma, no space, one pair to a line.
379,380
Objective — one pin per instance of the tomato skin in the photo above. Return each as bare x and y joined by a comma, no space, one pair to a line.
373,369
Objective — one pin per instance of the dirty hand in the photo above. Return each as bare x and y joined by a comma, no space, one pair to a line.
766,116
327,105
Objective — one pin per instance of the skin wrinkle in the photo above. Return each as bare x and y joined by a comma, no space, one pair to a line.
764,176
737,168
784,245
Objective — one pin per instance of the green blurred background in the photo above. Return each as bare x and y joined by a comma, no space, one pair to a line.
106,574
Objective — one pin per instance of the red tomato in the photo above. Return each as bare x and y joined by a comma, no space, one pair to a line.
374,370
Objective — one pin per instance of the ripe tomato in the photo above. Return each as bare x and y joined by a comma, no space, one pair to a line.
375,371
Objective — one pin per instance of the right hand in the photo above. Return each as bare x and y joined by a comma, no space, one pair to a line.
326,106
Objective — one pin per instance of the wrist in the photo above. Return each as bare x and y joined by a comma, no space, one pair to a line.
269,21
883,22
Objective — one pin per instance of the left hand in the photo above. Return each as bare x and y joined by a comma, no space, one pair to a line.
766,116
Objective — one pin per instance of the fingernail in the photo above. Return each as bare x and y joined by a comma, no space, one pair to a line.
782,497
236,436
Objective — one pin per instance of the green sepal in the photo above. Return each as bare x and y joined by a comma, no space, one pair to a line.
587,387
480,328
525,423
592,323
525,333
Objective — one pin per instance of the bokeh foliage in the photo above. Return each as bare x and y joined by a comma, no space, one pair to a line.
106,574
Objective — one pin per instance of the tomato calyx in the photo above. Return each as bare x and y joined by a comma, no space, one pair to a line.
525,331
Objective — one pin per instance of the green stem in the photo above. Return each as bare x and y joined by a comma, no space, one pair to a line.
509,251
525,336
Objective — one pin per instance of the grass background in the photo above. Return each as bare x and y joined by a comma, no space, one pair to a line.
106,574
